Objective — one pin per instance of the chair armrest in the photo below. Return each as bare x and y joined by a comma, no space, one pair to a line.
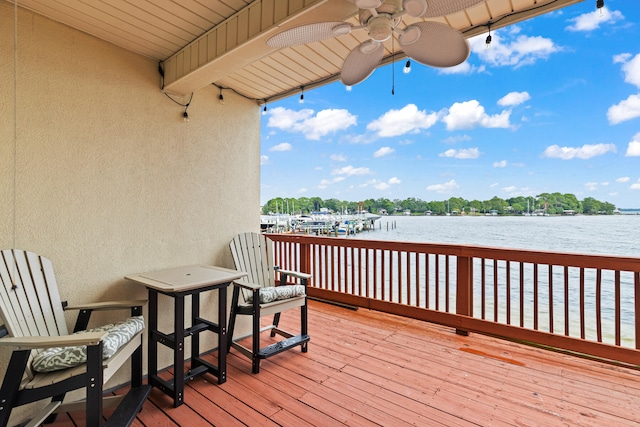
29,343
296,274
246,285
108,305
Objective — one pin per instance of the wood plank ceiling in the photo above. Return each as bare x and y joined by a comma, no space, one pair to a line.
223,42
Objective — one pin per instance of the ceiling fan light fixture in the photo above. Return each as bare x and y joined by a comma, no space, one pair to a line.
368,4
380,28
341,29
410,35
415,8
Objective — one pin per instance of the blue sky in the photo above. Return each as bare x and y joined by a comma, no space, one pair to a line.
553,105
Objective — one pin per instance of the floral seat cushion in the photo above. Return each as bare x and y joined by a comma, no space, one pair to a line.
275,293
118,334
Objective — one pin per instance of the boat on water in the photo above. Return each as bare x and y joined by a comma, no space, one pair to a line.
318,223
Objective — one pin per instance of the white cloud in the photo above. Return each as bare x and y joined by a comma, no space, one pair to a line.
351,171
631,69
623,179
587,151
629,108
470,114
301,190
283,146
514,98
624,110
381,185
592,20
633,149
494,185
338,158
383,151
500,164
326,182
591,186
264,160
510,189
635,185
444,187
399,122
312,127
463,153
510,49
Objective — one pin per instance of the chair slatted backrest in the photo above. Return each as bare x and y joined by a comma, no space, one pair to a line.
29,301
253,254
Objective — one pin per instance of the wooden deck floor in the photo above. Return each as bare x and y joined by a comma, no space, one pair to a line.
365,368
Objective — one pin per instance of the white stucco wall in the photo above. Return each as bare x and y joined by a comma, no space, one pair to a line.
109,180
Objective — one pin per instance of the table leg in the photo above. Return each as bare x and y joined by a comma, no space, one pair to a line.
152,344
178,353
195,338
222,335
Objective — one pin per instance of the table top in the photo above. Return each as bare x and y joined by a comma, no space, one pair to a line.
186,278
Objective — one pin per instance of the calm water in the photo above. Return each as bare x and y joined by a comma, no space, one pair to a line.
608,235
612,235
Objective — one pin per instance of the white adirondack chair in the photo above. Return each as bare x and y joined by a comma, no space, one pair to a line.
259,295
33,316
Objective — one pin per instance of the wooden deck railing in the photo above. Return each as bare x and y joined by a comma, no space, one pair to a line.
586,304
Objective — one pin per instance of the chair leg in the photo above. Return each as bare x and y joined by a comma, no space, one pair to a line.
94,385
232,316
255,335
11,383
276,321
303,323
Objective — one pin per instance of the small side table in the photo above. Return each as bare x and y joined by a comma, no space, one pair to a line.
177,283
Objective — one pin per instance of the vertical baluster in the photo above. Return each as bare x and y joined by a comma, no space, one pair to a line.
427,280
417,281
535,296
408,274
522,294
437,284
375,273
599,304
495,290
446,283
582,300
353,271
550,298
508,295
483,290
617,303
567,321
636,298
367,272
339,272
383,260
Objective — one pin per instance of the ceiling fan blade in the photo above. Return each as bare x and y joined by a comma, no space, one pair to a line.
436,44
361,62
446,7
309,33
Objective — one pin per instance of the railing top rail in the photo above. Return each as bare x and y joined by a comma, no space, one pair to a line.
607,262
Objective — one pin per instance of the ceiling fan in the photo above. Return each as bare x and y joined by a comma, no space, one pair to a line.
429,43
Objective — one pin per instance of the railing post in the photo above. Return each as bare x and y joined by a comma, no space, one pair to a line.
305,259
464,289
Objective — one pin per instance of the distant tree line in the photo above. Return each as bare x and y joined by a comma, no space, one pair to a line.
545,203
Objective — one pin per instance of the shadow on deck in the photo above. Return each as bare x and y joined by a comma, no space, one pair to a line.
367,368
